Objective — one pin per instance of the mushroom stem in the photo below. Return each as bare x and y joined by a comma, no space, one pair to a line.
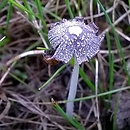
73,88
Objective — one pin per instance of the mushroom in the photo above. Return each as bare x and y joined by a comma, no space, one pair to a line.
73,38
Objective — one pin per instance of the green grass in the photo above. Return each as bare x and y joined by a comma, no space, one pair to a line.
3,4
9,15
53,76
119,47
111,65
71,14
72,121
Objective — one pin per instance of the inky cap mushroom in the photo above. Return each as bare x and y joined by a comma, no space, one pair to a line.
74,38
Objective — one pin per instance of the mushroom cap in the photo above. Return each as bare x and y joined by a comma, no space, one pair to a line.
74,38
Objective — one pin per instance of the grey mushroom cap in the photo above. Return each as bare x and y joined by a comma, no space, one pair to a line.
74,38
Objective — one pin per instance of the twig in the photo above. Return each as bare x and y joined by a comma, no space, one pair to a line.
97,114
33,52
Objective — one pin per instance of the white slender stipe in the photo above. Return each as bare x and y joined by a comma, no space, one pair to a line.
72,89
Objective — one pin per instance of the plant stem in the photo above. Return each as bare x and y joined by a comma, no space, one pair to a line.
73,88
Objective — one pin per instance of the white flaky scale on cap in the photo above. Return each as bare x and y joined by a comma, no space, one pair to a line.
74,38
75,30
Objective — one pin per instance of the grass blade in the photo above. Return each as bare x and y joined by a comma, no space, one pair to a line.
22,8
69,9
111,65
116,39
86,79
4,41
9,15
72,121
3,4
53,76
40,13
